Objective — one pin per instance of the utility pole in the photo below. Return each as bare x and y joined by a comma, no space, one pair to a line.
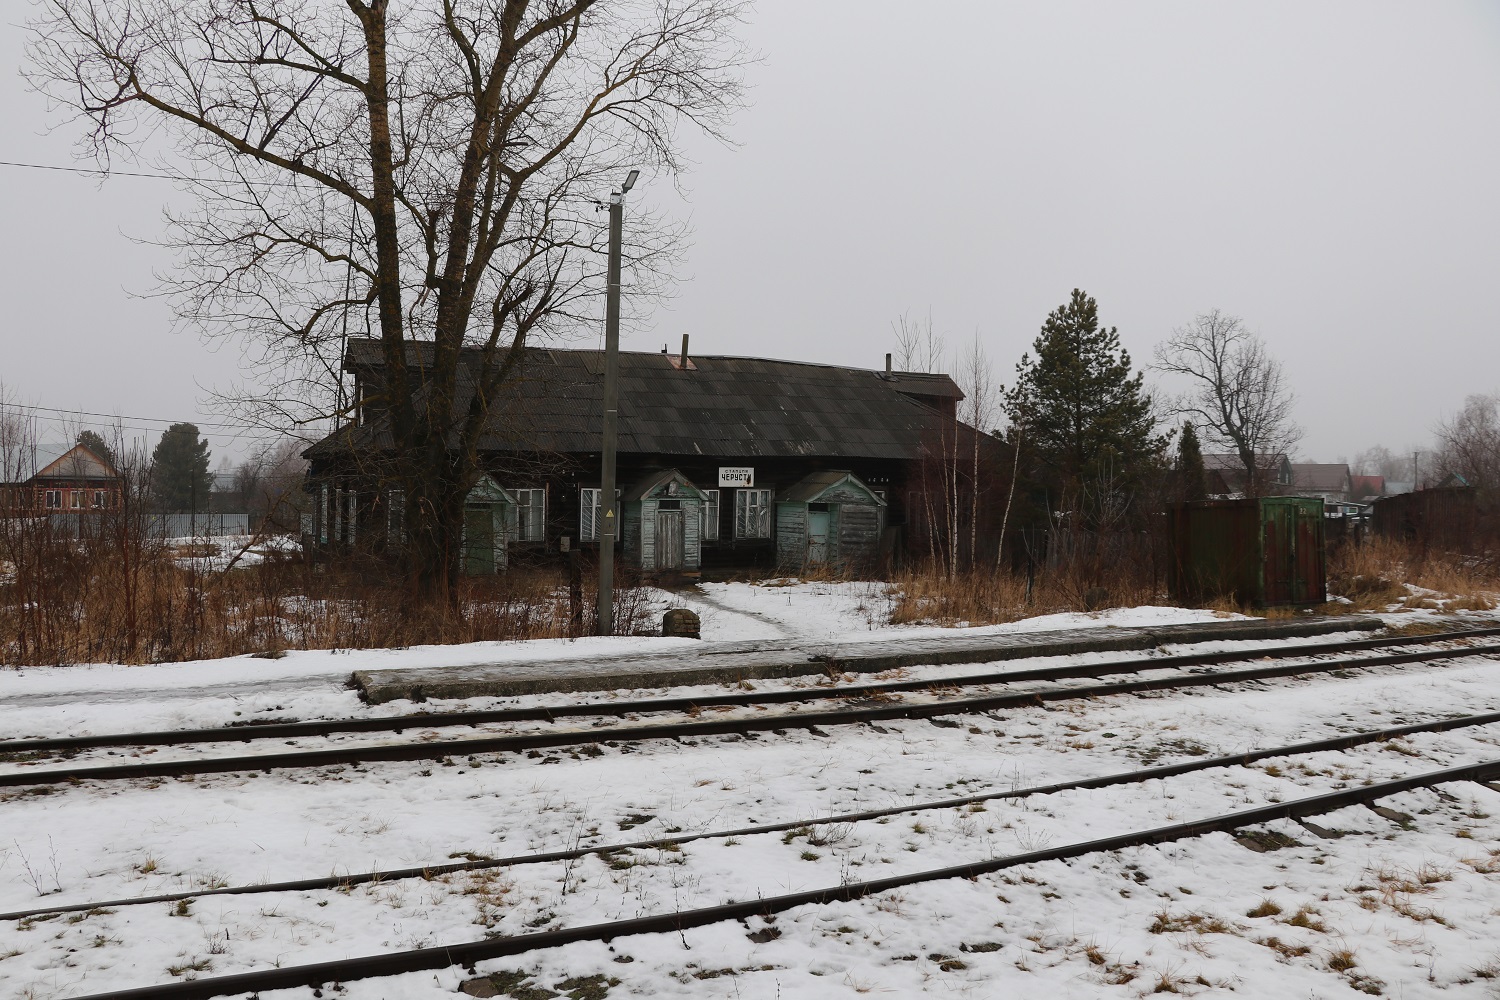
608,528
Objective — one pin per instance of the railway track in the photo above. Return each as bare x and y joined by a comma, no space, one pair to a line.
252,731
1337,743
860,704
466,954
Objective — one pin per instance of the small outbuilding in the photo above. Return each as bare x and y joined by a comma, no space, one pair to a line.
1260,551
490,515
662,526
828,519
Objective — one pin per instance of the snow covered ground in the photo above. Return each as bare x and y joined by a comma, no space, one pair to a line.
215,553
1402,908
96,698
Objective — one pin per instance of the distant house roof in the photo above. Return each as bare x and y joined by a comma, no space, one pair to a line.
1324,477
749,407
1219,462
63,461
1367,486
1225,473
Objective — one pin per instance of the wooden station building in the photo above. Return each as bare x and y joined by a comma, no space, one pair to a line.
723,463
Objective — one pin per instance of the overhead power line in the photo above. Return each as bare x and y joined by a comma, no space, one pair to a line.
92,172
127,416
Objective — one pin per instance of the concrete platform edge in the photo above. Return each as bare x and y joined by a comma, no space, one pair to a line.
723,666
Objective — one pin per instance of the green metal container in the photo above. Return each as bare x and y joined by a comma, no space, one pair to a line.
1264,551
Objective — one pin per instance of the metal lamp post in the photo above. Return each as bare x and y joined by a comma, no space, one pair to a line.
609,529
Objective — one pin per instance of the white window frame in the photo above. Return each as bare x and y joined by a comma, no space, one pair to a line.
752,513
709,515
589,513
75,499
100,499
52,500
531,515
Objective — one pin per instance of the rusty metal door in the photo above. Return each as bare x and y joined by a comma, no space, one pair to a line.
1279,539
1310,584
669,539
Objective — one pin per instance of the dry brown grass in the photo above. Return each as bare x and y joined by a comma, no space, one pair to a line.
928,596
1373,574
134,601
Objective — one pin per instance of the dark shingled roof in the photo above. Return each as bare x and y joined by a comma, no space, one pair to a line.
750,407
1326,476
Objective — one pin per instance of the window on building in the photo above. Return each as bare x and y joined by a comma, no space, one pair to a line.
710,514
590,514
75,498
752,514
101,499
395,517
531,515
54,499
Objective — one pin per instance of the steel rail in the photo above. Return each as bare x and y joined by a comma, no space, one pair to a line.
466,954
252,731
438,749
1345,742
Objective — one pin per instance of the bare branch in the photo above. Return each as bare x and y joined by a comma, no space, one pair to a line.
1237,392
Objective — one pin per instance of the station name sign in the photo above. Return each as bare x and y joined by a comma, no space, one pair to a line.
736,476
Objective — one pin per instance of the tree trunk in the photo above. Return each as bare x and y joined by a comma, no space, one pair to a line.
434,511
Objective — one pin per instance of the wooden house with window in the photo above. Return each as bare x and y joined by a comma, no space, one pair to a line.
735,437
68,482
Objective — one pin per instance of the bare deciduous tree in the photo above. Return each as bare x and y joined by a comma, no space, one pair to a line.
980,410
919,347
1237,390
427,169
1469,444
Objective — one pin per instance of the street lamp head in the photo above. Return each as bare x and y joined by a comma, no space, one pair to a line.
629,181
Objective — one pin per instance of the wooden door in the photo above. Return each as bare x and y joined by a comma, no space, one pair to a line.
819,526
479,541
669,539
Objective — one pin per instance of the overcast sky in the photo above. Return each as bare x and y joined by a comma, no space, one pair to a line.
1327,172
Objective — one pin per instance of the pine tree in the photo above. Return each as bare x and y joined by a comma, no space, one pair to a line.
1086,415
94,443
1191,476
180,477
